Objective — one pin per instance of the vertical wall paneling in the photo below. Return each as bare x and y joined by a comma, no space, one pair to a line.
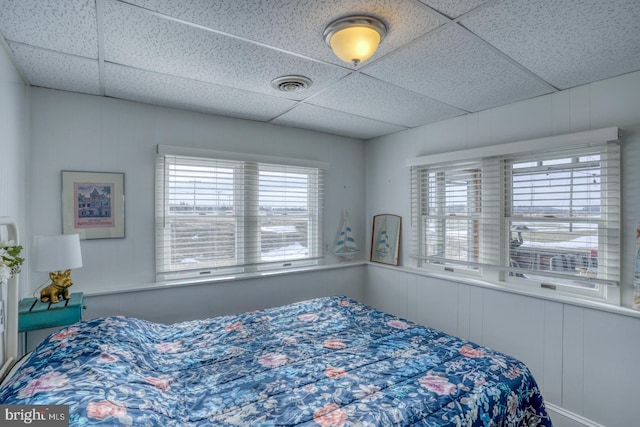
611,354
521,120
476,314
573,360
561,112
437,305
416,307
515,325
551,382
344,281
378,293
580,108
464,312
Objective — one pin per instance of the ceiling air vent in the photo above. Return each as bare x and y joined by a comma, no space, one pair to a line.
291,83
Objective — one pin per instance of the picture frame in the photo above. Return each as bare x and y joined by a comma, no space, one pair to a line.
636,274
385,239
93,204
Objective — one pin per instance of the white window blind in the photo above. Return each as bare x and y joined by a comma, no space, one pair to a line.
448,201
563,215
215,215
547,218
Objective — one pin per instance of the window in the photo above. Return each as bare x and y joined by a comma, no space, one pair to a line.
229,215
545,219
450,213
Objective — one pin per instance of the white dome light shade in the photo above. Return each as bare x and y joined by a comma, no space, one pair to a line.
355,39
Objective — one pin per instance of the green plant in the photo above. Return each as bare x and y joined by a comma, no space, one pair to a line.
10,259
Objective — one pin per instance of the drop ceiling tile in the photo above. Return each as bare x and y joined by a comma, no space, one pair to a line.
368,97
57,70
453,8
454,67
565,43
142,40
68,26
330,121
159,89
297,26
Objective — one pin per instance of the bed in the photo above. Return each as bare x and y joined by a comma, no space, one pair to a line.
323,362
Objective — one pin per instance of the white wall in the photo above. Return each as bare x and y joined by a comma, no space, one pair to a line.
584,359
88,133
14,143
14,140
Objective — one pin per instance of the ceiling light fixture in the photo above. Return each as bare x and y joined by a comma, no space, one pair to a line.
354,39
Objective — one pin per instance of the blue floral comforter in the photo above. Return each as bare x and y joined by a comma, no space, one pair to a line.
324,362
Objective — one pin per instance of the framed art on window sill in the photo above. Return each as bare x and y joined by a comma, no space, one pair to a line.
636,275
93,204
385,239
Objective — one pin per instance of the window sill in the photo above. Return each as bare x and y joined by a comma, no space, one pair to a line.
601,306
218,279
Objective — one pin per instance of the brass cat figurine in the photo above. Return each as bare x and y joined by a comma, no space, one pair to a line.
59,287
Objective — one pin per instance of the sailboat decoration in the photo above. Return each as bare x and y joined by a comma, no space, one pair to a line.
346,245
383,247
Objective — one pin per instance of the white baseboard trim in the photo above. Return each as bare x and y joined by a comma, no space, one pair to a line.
561,417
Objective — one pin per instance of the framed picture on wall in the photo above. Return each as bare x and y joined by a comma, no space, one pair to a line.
385,239
93,204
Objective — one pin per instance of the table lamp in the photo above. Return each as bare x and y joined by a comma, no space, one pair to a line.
57,255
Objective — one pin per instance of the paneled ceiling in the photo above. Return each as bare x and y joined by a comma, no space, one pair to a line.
440,58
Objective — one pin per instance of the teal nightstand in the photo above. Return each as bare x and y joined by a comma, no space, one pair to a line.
34,314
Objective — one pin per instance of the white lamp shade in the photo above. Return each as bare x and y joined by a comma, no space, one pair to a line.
57,253
355,44
354,39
